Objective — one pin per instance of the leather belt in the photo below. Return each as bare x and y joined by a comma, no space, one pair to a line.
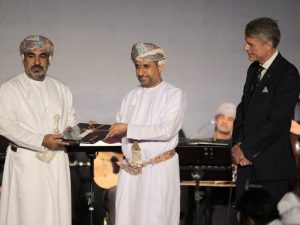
136,168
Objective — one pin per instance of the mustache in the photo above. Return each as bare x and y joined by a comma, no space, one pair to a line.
37,67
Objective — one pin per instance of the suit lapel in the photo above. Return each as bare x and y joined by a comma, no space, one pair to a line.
250,81
271,71
262,84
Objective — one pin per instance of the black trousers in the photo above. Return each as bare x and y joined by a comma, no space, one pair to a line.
246,179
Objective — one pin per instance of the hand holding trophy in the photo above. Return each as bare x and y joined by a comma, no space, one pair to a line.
51,142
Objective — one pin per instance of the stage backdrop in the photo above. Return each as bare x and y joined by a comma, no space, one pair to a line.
203,40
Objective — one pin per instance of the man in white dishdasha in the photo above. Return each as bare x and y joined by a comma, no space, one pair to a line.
35,110
149,120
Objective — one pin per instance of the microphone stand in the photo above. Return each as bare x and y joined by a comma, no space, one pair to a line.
197,174
201,128
90,195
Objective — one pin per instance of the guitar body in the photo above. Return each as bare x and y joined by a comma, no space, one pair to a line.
106,170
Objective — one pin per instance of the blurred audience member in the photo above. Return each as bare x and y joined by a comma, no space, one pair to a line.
257,207
289,205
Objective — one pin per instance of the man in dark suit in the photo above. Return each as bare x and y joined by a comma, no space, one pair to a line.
261,141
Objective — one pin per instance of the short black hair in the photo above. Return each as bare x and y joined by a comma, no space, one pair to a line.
258,205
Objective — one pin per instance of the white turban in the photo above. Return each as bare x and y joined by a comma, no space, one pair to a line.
227,109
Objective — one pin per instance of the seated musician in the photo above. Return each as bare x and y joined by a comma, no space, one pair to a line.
223,120
219,196
224,117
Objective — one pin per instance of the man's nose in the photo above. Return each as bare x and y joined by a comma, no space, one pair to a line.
141,72
246,47
37,61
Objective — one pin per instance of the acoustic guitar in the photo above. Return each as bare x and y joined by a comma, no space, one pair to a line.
106,169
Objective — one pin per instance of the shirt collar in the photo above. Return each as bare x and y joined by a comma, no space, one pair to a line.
268,63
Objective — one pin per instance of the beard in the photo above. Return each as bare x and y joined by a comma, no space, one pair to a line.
224,130
36,72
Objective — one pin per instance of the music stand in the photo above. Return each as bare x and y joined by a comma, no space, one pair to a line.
200,160
91,150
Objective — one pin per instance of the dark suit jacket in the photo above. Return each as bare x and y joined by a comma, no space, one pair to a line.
263,121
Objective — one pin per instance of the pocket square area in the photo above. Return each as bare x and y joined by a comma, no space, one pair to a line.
265,90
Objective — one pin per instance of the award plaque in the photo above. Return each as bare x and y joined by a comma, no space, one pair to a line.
84,133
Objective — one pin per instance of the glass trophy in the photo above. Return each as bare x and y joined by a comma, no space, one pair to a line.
48,154
72,135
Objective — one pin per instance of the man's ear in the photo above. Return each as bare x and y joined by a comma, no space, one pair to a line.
160,67
22,57
50,59
269,45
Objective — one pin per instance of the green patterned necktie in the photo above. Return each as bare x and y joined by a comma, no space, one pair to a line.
257,79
